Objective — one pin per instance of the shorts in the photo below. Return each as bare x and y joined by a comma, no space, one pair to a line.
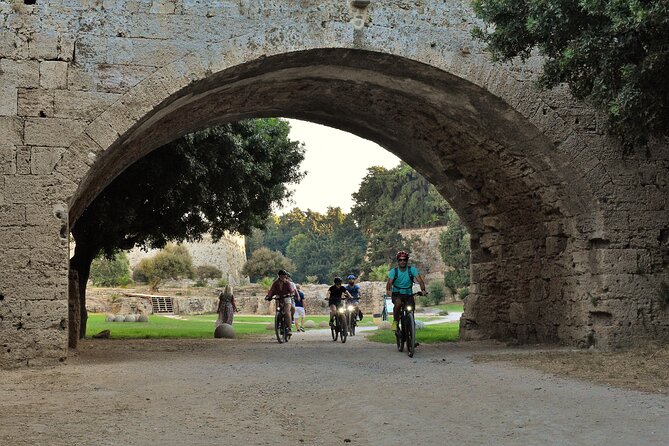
284,301
336,303
299,311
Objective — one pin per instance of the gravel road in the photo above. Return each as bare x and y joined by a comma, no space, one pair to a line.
316,392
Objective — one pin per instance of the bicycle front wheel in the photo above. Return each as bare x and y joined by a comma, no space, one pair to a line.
334,328
399,337
278,327
343,329
411,335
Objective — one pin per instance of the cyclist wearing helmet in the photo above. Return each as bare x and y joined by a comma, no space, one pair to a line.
354,290
281,287
334,297
400,283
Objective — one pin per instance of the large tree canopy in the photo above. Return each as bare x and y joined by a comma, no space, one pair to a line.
224,178
392,199
613,53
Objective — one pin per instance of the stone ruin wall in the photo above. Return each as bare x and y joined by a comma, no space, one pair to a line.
424,251
228,255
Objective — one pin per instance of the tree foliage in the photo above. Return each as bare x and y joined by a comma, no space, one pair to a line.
454,247
205,273
612,53
173,262
392,199
264,262
220,179
109,272
321,245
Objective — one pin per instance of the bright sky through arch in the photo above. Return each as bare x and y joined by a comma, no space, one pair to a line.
336,162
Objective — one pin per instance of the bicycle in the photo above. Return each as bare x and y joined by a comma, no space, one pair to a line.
280,329
338,328
406,328
352,317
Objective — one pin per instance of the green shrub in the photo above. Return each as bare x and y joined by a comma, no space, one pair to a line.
173,262
265,262
266,282
206,272
111,272
222,283
311,279
436,291
379,273
463,292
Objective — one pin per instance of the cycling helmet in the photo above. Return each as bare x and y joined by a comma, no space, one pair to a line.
282,273
402,255
337,279
350,276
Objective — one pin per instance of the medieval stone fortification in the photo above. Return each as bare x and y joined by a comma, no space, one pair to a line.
228,255
569,236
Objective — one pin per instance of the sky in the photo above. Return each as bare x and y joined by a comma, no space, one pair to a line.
336,162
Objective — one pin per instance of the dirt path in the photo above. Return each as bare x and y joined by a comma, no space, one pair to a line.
315,392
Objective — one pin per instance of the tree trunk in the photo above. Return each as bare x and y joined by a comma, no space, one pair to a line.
74,311
81,263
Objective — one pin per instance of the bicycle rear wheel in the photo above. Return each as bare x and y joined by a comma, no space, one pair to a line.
399,336
411,335
278,327
343,332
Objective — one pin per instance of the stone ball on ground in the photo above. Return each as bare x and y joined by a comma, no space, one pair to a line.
104,334
385,325
225,331
143,318
323,324
119,318
420,325
109,318
310,324
130,318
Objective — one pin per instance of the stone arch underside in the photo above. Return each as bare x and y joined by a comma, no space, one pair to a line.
496,169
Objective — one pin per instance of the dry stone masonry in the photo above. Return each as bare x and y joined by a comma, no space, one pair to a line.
569,236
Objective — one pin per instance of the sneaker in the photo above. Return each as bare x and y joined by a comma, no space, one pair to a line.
302,329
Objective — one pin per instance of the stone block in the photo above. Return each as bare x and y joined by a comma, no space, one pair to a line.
11,216
23,160
11,130
121,78
85,149
82,105
163,7
24,73
44,159
7,159
52,132
8,101
37,189
82,79
102,133
43,45
53,74
144,98
35,102
43,314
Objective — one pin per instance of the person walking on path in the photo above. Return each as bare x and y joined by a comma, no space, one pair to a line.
227,306
300,309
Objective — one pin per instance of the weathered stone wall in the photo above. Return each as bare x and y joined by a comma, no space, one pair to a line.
570,239
228,255
425,253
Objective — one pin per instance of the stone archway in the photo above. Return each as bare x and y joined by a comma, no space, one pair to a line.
530,174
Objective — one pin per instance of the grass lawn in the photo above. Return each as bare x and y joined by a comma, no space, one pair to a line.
447,332
193,326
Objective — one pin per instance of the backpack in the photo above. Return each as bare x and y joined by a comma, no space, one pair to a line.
397,271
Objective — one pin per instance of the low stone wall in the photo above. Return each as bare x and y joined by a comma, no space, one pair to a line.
250,299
